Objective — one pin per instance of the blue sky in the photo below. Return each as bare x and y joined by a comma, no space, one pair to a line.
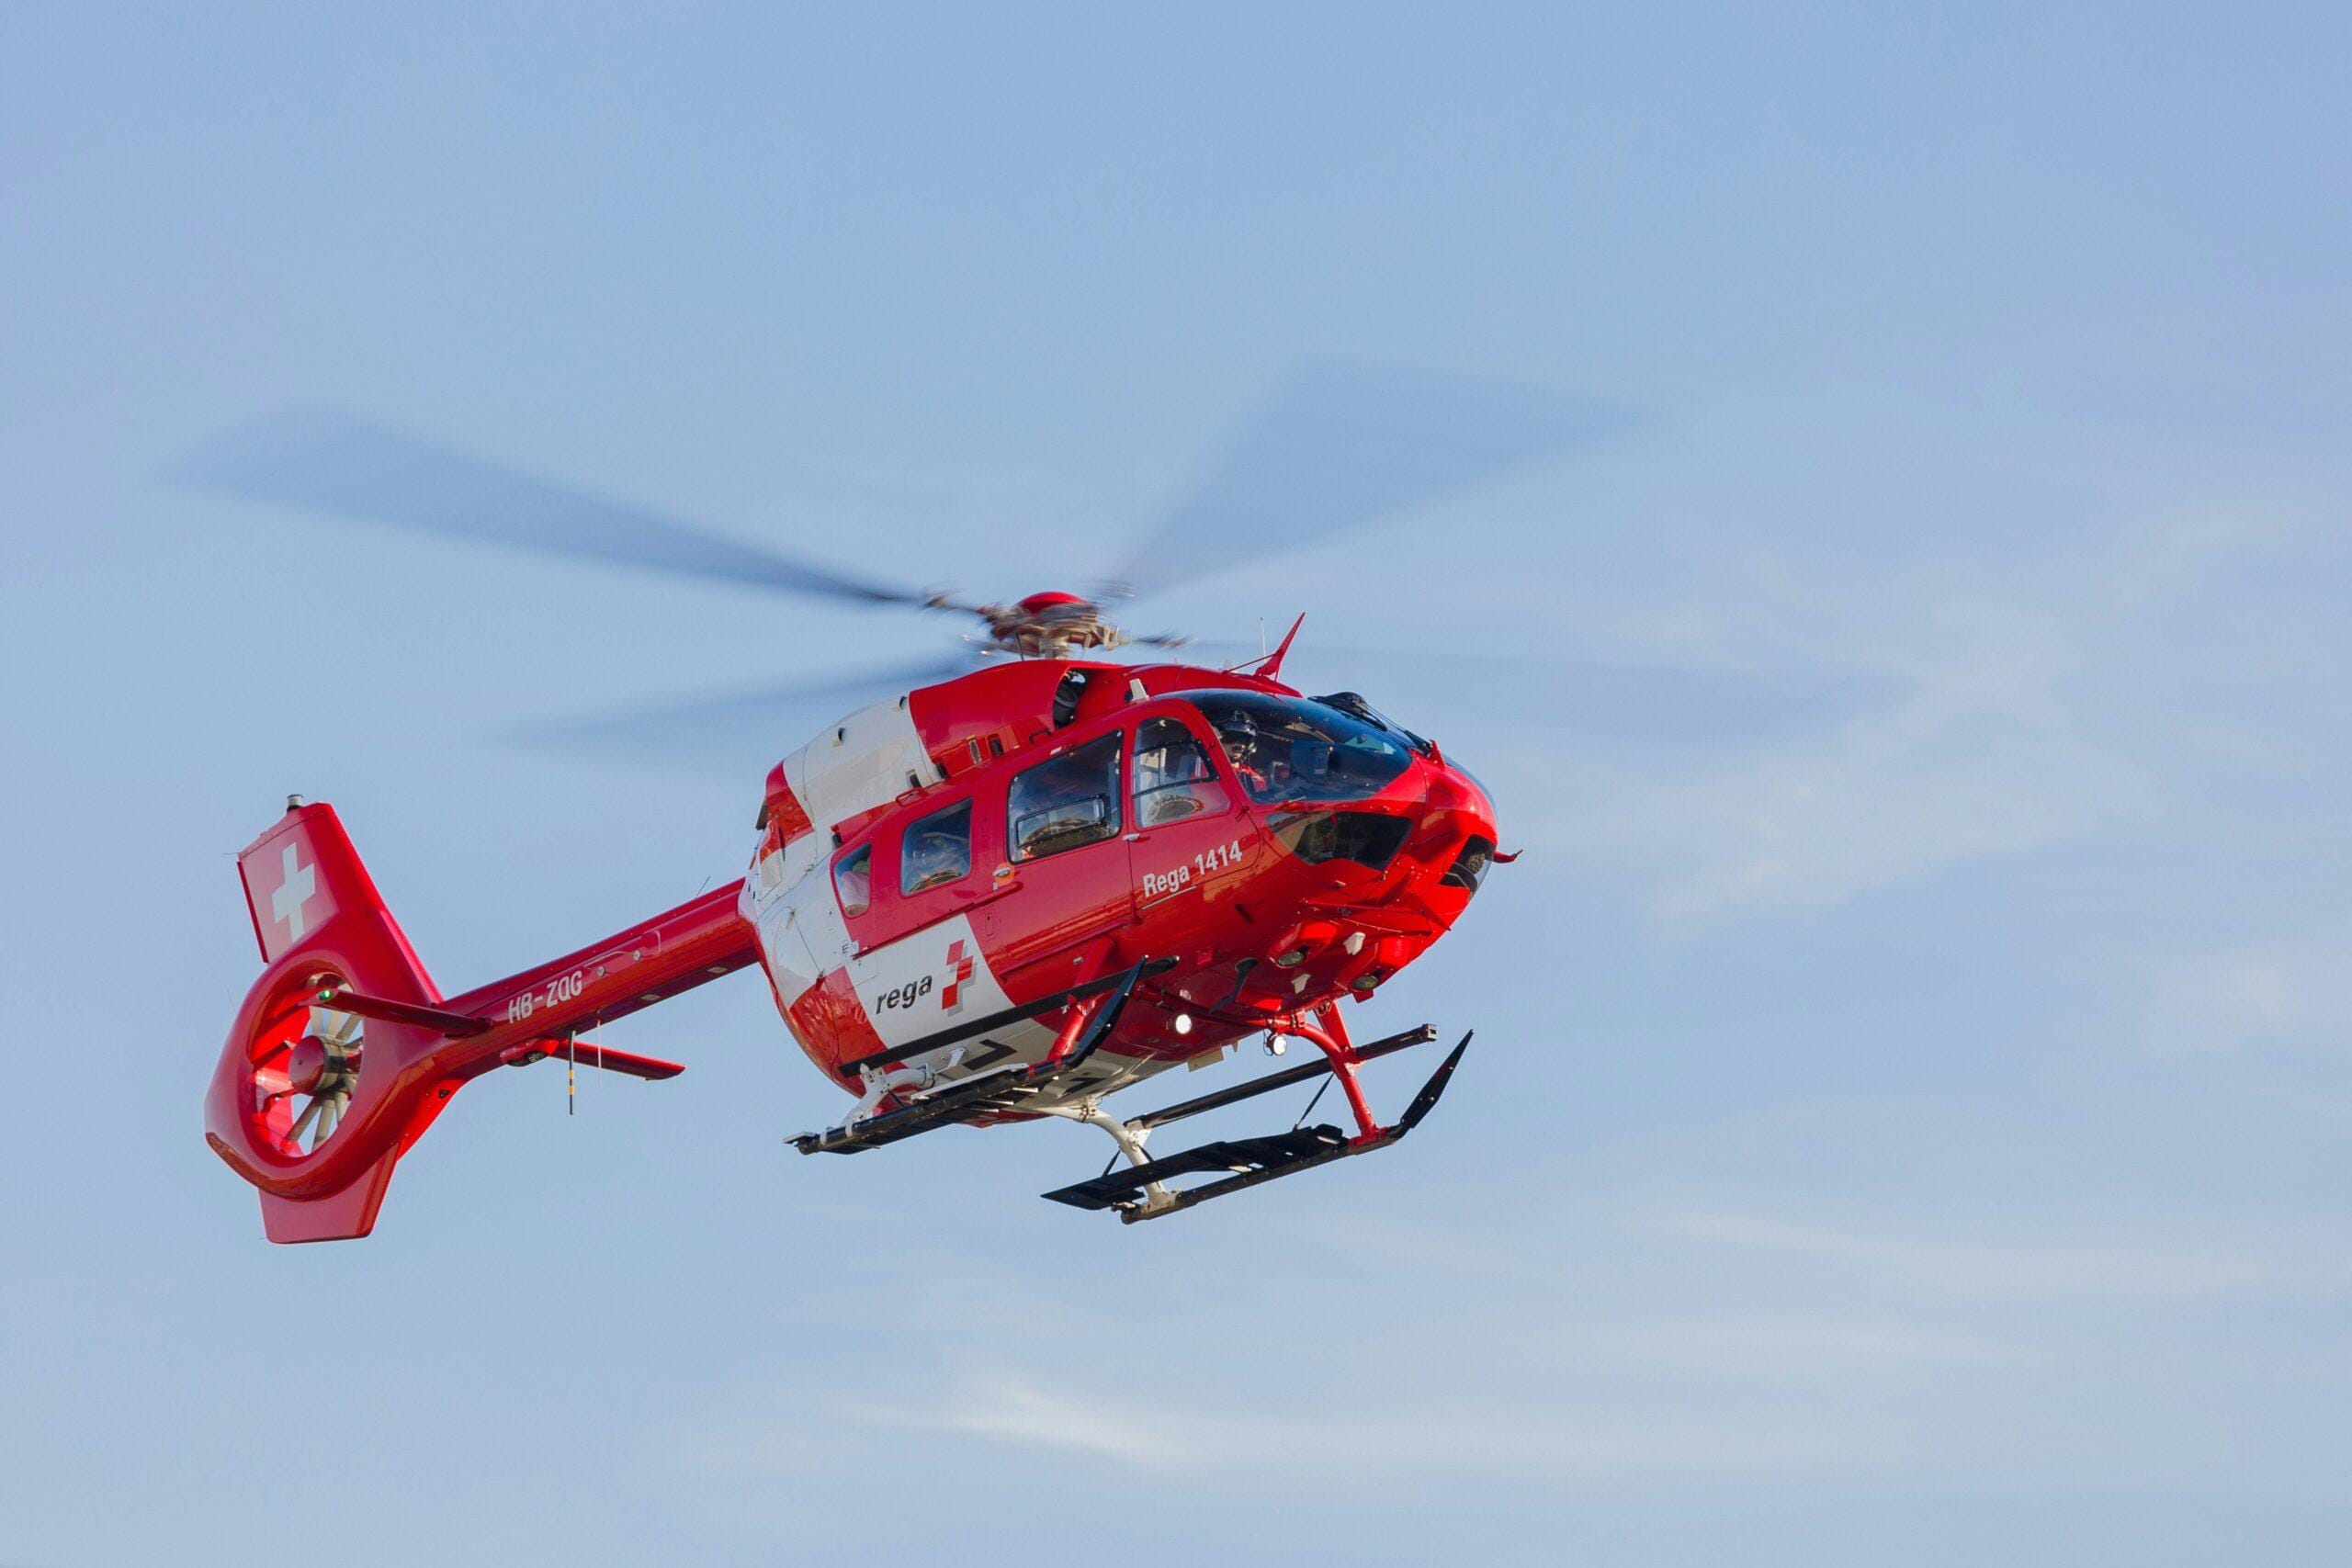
1910,1113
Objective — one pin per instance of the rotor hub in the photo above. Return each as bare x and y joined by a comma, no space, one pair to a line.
302,1075
306,1064
1051,625
318,1065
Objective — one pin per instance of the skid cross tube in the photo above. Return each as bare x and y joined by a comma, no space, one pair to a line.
1304,1073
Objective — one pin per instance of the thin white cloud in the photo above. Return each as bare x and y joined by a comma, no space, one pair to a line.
1644,1341
1254,1439
1007,1405
2021,716
1977,757
2293,990
2135,1264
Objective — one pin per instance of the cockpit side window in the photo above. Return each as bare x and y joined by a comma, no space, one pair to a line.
938,849
1173,778
853,880
1064,801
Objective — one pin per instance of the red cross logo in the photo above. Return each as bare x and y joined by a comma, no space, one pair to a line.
959,969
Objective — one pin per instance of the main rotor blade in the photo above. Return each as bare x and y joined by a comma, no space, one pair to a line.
756,726
1671,704
1344,444
345,467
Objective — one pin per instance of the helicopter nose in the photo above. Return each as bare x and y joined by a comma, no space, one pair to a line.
1458,828
1450,797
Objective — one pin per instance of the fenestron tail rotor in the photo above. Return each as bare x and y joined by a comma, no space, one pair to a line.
308,1079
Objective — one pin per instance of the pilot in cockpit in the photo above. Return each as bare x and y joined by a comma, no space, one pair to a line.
1257,759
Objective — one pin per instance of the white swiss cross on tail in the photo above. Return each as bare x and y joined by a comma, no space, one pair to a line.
959,969
302,882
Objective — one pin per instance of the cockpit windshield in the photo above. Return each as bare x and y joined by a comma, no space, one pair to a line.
1287,748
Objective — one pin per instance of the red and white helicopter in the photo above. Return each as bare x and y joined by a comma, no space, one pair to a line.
1000,895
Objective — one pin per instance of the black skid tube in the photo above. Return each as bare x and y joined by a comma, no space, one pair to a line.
1305,1072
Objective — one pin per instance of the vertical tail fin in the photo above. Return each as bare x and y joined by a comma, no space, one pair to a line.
302,875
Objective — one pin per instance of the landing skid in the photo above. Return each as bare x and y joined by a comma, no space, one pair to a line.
1141,1190
1052,1087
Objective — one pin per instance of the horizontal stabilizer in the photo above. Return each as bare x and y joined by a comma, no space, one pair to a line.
588,1053
456,1025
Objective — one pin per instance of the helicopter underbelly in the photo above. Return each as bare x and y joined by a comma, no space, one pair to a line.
935,979
840,1004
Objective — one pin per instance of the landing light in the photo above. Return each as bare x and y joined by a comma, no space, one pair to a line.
1183,1023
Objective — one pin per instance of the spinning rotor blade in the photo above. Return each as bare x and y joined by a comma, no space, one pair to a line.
344,467
1642,703
759,725
1344,444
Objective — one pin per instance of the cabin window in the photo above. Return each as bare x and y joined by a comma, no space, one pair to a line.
853,880
1066,801
1173,779
938,850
